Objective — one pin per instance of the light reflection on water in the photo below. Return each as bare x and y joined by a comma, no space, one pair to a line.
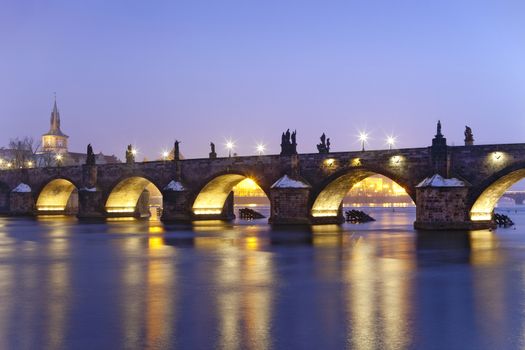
246,285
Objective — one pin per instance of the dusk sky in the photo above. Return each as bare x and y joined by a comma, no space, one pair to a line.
149,72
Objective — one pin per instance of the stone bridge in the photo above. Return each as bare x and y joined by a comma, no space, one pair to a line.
458,185
517,196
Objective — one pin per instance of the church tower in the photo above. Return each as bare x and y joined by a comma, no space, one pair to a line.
55,141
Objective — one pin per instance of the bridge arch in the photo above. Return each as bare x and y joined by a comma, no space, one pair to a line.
327,200
130,196
58,196
212,197
484,200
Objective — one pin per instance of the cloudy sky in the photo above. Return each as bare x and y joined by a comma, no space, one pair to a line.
150,72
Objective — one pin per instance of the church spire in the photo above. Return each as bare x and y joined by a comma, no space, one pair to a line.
55,140
55,120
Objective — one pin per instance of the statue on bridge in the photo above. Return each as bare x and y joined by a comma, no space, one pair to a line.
130,157
289,143
90,158
213,154
324,146
469,137
439,152
176,150
439,134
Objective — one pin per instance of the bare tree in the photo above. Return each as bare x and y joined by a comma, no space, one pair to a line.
23,152
45,159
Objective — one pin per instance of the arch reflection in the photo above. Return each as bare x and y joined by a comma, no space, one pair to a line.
244,276
153,281
379,296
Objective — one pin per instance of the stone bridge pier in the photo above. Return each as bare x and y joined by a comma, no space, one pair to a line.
453,187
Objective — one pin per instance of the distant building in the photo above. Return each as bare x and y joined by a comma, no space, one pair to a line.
74,158
54,141
55,147
376,185
6,157
53,151
19,157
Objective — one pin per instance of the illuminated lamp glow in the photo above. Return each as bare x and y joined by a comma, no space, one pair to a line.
207,211
497,156
391,141
395,160
51,208
248,184
120,210
260,148
480,216
318,213
330,162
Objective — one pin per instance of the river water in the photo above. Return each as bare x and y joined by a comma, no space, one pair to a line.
244,285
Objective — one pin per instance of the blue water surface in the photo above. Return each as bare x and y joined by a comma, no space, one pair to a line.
130,284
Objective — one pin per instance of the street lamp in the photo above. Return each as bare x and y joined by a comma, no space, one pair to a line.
496,156
165,155
260,148
134,151
229,146
390,141
363,137
58,159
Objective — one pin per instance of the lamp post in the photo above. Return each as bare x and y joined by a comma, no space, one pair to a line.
390,141
165,155
229,146
260,148
363,137
58,159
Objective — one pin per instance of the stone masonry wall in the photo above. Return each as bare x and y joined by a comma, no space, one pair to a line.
441,206
289,205
479,165
21,203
